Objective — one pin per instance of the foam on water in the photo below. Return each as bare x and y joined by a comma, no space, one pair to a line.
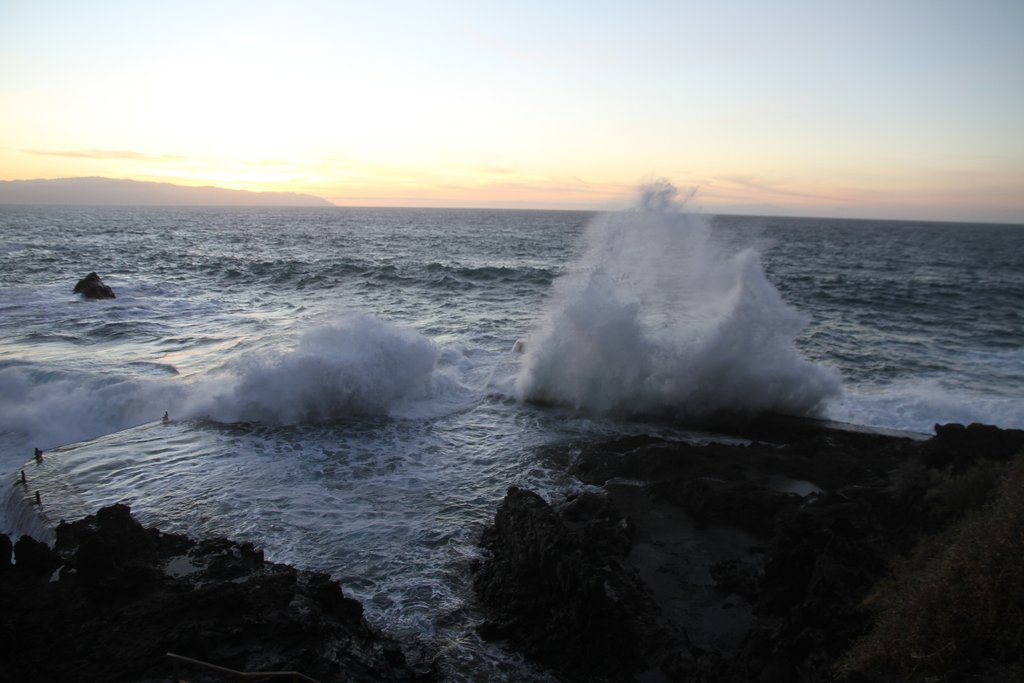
658,318
921,404
45,406
359,365
378,451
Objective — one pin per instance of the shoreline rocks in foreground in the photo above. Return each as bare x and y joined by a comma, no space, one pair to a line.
112,598
823,555
770,562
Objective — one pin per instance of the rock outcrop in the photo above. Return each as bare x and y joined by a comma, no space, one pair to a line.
92,287
726,561
113,598
554,587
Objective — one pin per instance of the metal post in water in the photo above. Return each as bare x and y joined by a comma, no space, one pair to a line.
23,477
38,500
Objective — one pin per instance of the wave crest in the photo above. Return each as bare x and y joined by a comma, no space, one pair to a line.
658,319
358,366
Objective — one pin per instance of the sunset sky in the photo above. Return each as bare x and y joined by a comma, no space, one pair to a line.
893,108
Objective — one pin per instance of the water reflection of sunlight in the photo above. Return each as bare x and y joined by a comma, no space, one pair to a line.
198,353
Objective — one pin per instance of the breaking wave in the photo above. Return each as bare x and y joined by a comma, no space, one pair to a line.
657,318
358,366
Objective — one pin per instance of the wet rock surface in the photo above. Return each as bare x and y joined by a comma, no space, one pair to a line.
92,287
742,561
557,588
112,598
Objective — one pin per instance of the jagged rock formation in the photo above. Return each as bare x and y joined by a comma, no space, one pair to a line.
112,598
92,287
554,587
727,562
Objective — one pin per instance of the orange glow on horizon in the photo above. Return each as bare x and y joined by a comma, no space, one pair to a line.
351,181
765,111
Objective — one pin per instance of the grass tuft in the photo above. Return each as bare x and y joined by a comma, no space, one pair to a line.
956,604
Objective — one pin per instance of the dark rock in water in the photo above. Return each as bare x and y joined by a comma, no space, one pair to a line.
92,287
126,596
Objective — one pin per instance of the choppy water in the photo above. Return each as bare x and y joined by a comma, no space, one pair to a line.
343,389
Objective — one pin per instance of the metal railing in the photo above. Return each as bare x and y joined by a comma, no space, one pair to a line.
179,660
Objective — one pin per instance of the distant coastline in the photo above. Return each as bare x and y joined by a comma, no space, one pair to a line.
97,191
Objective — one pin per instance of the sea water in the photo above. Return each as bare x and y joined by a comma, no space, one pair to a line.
342,386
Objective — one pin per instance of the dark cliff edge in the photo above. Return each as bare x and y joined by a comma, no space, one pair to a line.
829,555
112,598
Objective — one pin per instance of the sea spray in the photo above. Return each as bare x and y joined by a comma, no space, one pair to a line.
394,507
657,318
359,365
44,406
356,365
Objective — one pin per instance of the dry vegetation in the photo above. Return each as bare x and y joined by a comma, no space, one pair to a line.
955,606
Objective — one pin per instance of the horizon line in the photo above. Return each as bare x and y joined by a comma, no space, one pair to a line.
381,207
334,203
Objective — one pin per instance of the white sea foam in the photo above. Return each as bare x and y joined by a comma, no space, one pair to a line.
917,405
359,365
658,318
46,407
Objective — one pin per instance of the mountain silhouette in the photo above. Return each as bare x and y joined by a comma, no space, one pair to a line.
114,192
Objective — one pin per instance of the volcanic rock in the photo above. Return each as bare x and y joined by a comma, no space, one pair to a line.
92,287
556,586
125,596
959,446
733,561
5,552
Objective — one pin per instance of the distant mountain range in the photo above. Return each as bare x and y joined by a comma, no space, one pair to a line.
112,192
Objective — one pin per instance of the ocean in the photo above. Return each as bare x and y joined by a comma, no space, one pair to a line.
353,389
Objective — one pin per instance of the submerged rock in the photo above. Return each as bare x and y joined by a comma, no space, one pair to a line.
92,287
125,596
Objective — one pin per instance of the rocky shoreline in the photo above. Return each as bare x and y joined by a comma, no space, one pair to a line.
768,558
112,598
744,562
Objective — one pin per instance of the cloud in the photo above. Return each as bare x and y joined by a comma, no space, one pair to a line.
539,187
765,188
103,154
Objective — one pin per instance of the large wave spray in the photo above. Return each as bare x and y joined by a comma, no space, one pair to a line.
355,366
658,319
359,365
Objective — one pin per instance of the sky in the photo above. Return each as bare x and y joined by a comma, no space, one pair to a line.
878,109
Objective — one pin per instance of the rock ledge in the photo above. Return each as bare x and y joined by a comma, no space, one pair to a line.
113,598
